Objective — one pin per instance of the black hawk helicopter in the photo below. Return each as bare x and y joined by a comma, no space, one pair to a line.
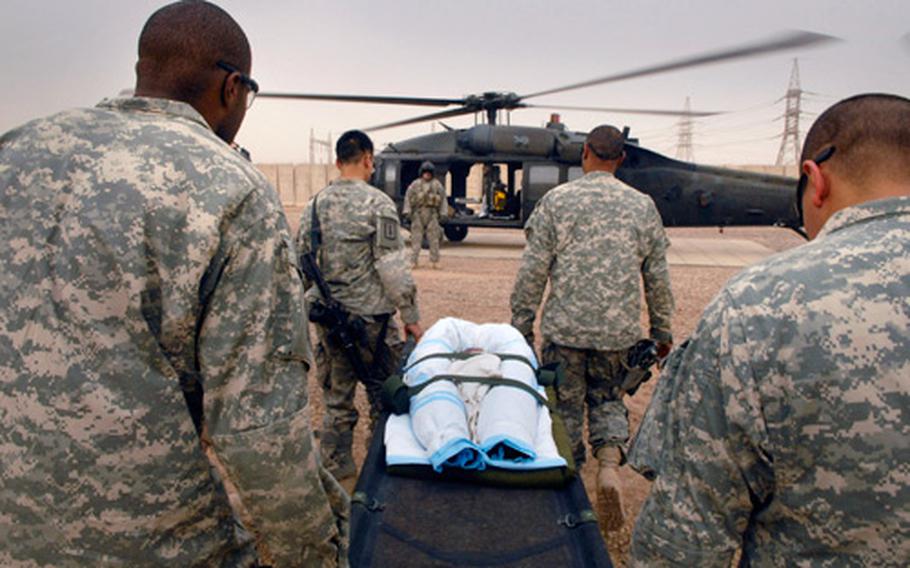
522,163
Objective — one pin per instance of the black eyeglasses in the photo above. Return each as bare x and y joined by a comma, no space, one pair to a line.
819,159
252,85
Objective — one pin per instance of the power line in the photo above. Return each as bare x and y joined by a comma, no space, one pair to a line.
738,142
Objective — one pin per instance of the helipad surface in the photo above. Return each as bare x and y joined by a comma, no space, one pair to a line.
684,251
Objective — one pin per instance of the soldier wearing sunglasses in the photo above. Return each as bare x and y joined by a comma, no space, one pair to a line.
153,344
784,429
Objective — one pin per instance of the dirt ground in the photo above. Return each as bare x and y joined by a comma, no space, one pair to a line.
478,290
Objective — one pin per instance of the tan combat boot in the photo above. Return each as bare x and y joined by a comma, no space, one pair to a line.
609,489
434,265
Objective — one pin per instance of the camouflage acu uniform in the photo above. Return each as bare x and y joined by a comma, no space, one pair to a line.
362,257
425,202
142,254
593,238
788,432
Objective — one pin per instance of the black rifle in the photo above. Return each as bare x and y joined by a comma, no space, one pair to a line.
345,331
639,360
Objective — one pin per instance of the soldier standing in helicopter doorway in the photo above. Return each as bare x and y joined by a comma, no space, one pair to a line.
425,203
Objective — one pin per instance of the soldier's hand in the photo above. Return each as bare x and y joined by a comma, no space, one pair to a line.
663,349
413,329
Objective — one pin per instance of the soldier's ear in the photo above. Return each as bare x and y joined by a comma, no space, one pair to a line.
819,185
233,89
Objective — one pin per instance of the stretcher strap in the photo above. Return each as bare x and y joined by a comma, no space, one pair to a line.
463,355
364,500
571,521
547,375
491,381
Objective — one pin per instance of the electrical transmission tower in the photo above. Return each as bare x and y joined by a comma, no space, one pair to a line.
321,156
684,143
320,150
790,137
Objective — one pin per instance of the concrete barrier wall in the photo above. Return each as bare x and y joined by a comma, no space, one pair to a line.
297,183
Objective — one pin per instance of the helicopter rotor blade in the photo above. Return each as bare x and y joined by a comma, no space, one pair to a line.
433,116
388,100
658,112
788,40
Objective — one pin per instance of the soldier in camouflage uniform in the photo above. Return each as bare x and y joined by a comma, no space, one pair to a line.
362,258
787,432
142,254
425,204
593,238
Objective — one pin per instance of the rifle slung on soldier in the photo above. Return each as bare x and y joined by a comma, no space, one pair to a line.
345,331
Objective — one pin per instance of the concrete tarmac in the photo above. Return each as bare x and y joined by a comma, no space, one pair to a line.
684,251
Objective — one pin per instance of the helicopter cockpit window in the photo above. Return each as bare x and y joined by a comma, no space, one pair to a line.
575,172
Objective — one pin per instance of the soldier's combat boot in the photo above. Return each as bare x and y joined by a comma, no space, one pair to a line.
335,450
609,489
434,265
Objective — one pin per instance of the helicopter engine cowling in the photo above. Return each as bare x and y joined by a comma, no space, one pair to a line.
569,147
515,140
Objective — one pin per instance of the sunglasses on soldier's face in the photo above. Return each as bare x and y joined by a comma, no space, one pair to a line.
822,157
251,84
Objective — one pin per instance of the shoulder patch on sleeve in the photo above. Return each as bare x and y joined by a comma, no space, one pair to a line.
387,233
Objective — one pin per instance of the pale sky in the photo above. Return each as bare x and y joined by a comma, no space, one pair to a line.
63,54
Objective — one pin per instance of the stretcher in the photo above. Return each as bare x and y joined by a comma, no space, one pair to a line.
462,502
431,520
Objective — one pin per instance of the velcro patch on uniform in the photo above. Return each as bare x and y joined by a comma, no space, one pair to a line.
387,233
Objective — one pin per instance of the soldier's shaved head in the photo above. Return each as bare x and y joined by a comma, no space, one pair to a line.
352,145
180,46
606,142
871,134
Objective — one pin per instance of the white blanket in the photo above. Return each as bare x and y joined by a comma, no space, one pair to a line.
471,425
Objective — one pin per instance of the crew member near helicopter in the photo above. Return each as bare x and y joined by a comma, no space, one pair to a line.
425,203
592,238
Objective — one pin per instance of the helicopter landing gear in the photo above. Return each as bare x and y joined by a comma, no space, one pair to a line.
455,233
